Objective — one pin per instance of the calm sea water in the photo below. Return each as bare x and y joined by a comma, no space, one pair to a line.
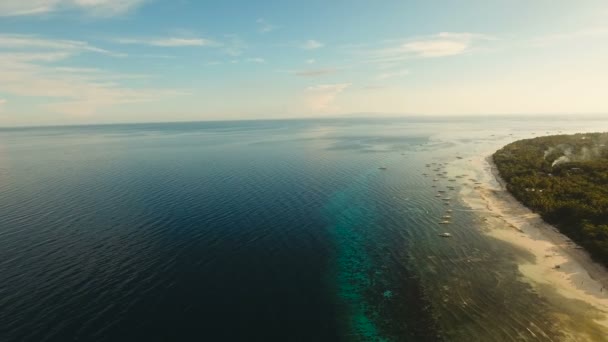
255,231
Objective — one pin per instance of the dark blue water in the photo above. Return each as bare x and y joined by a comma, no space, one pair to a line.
244,231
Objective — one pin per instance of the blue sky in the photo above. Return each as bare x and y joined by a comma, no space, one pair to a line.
99,61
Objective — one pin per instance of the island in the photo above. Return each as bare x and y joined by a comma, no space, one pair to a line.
563,178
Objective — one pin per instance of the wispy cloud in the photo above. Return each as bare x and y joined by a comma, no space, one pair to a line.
256,60
374,87
30,42
591,32
434,48
79,92
439,45
230,44
264,26
24,57
315,72
233,45
392,74
167,42
39,67
320,98
91,7
311,44
10,8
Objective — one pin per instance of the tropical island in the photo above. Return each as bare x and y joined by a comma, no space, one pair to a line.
564,178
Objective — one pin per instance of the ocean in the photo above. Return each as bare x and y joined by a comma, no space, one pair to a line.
286,230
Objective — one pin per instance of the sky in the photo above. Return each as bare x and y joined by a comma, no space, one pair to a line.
105,61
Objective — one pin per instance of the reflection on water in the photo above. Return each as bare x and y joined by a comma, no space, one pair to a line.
265,230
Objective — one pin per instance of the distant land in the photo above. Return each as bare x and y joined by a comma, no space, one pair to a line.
564,178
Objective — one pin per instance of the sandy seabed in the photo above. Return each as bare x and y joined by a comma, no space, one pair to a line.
560,271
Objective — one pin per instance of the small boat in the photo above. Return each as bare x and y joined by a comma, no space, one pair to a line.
445,222
382,168
449,211
445,235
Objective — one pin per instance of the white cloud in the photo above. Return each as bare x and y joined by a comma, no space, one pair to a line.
30,68
77,91
256,60
108,6
23,42
439,45
393,74
22,57
435,48
25,7
93,7
231,44
264,26
167,42
315,72
320,98
590,32
176,42
311,44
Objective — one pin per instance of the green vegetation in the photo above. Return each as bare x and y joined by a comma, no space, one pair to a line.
564,178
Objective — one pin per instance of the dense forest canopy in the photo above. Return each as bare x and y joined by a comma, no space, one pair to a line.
564,178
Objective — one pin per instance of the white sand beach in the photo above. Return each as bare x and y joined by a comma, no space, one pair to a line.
560,271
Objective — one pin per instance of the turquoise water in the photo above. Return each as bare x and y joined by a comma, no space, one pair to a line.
265,230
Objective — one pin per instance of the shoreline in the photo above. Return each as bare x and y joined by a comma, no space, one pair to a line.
560,271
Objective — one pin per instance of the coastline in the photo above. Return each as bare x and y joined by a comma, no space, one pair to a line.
560,271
